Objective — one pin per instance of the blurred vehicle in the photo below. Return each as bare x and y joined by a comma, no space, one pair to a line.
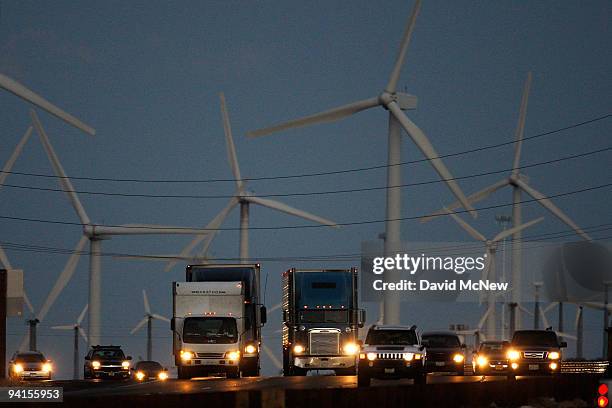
391,352
30,365
444,351
149,370
106,362
491,358
534,352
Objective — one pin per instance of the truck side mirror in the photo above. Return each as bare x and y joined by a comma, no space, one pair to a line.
563,344
263,315
172,325
362,318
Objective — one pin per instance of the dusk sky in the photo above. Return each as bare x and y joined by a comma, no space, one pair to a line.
147,75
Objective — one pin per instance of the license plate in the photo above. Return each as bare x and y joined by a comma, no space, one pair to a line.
389,370
534,367
499,367
440,363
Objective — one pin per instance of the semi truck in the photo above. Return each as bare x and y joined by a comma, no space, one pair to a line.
321,319
253,310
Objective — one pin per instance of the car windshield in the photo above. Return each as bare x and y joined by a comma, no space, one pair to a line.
396,337
108,354
30,358
493,347
148,365
441,340
535,338
210,330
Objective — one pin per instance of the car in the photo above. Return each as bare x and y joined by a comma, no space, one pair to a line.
149,370
391,352
30,365
445,352
106,362
534,352
491,358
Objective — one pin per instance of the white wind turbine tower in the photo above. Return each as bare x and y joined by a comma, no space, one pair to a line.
77,330
395,103
519,183
148,320
245,198
488,271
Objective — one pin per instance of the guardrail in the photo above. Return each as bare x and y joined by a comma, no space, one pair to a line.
584,367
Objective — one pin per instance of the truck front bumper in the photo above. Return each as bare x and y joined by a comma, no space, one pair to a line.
209,362
324,362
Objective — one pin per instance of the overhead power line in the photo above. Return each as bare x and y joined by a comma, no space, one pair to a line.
324,173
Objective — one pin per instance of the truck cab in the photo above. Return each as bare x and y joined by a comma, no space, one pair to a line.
321,319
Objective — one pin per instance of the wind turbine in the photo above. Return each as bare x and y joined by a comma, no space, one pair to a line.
395,103
78,331
243,197
148,320
518,182
488,271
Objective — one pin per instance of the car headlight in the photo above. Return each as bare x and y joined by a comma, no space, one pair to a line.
17,368
513,355
233,355
140,376
95,364
371,356
482,361
186,355
408,356
250,349
125,364
350,348
554,355
362,356
418,356
47,367
458,358
163,375
298,349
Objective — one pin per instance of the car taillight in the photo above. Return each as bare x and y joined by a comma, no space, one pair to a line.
602,401
602,398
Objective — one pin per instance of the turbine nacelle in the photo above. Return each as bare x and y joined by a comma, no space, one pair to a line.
404,100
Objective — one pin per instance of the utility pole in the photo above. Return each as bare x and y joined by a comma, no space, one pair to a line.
579,333
3,284
606,319
512,306
560,325
504,221
536,305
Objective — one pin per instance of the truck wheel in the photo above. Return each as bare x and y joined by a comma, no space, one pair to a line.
363,380
184,373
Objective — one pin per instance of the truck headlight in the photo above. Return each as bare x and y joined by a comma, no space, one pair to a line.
233,355
95,364
350,348
47,367
371,356
250,349
17,368
125,365
513,355
408,356
298,349
554,355
186,355
458,358
140,376
482,361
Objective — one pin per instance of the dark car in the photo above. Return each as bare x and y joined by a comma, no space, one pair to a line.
534,352
149,370
444,352
30,365
391,352
106,362
491,358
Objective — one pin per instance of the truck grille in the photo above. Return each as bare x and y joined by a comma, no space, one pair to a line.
324,342
534,354
390,356
210,355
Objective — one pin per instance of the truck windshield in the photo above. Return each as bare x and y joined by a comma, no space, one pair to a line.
441,341
395,337
330,289
535,338
210,330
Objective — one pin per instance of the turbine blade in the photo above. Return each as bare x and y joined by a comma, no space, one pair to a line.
275,205
143,229
4,261
578,314
160,317
139,325
483,319
401,56
147,307
322,117
550,306
525,310
276,306
82,315
270,354
65,327
83,334
510,231
21,91
544,319
548,204
23,346
467,227
11,161
520,127
428,150
229,140
487,266
26,300
214,224
64,181
567,335
63,278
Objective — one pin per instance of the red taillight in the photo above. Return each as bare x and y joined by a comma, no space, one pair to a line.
602,401
603,389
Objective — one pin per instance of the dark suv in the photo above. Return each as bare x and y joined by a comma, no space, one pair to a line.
534,352
106,362
445,353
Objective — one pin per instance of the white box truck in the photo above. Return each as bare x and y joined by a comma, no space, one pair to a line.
208,326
